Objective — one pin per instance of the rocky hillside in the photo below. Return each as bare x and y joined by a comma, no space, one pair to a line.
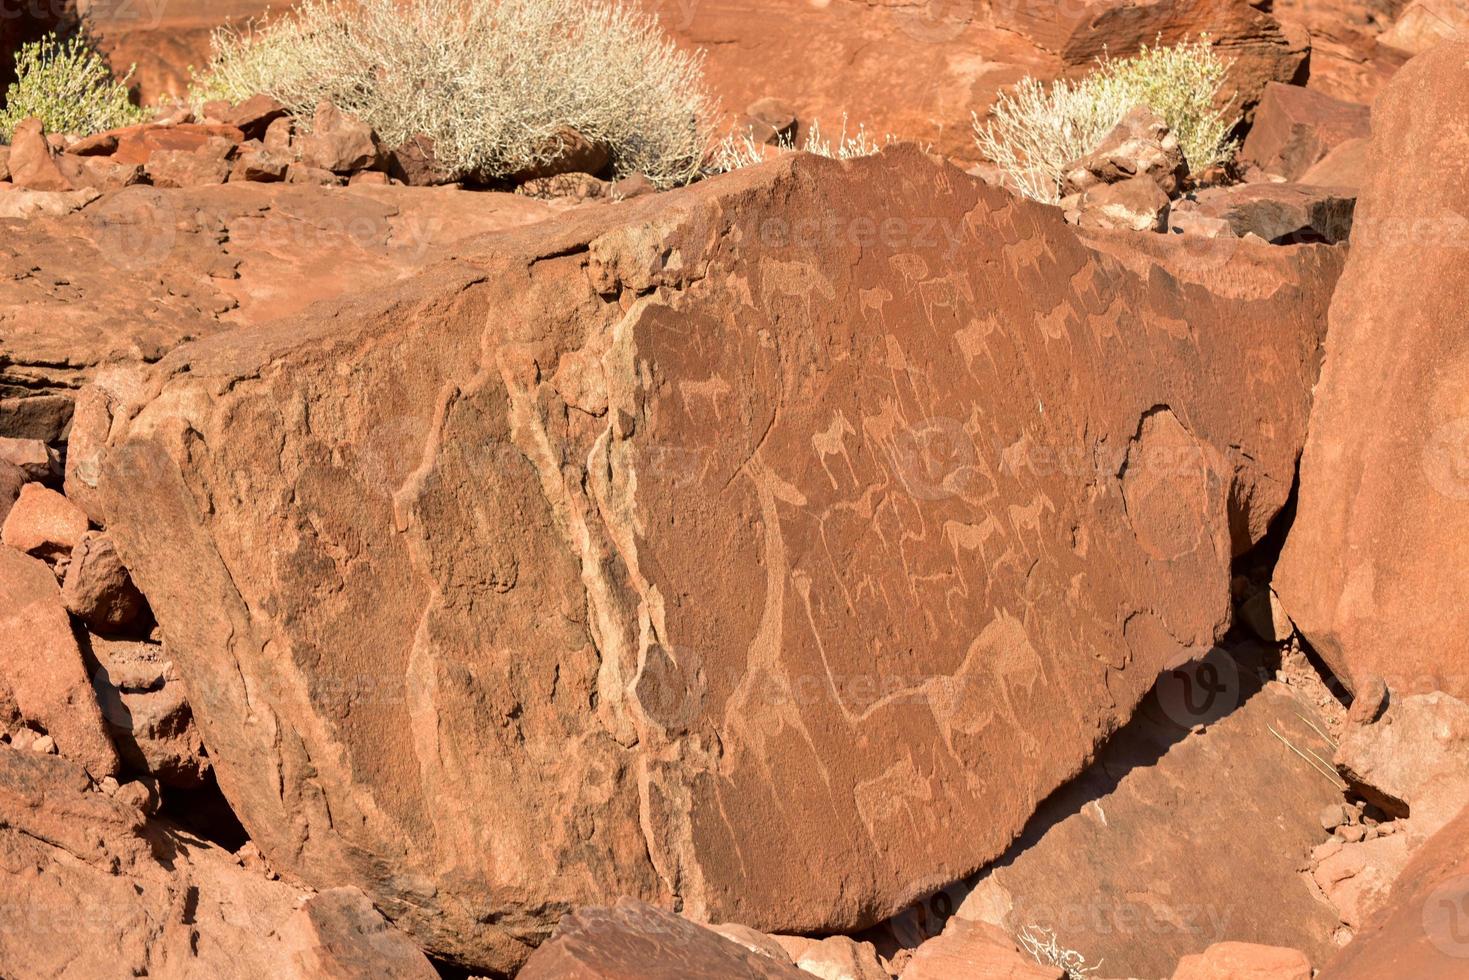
868,561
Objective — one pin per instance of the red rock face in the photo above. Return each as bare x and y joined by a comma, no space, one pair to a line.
771,546
914,70
1372,572
163,39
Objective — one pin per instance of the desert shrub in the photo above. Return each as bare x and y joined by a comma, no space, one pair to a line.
1035,131
68,86
734,152
1046,949
490,81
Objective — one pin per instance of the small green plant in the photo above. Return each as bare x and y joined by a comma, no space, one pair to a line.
491,82
1035,131
68,86
1046,950
734,152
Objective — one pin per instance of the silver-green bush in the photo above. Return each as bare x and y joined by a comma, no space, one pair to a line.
490,81
68,86
1034,132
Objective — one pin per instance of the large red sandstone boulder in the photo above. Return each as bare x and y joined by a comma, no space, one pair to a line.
724,522
93,889
1374,571
41,667
1420,931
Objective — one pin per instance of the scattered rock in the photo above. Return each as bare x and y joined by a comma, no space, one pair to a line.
147,712
1295,128
757,942
1138,146
37,460
770,121
1373,572
32,162
202,167
108,892
1136,204
98,144
633,939
1244,961
43,523
567,152
1283,213
12,478
254,116
1414,761
52,204
41,665
138,144
339,143
1424,23
256,163
1418,931
841,958
1344,166
98,589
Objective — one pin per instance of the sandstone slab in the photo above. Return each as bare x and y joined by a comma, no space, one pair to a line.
1136,863
1373,572
1284,213
1419,931
143,269
450,618
41,666
1295,127
634,939
94,889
